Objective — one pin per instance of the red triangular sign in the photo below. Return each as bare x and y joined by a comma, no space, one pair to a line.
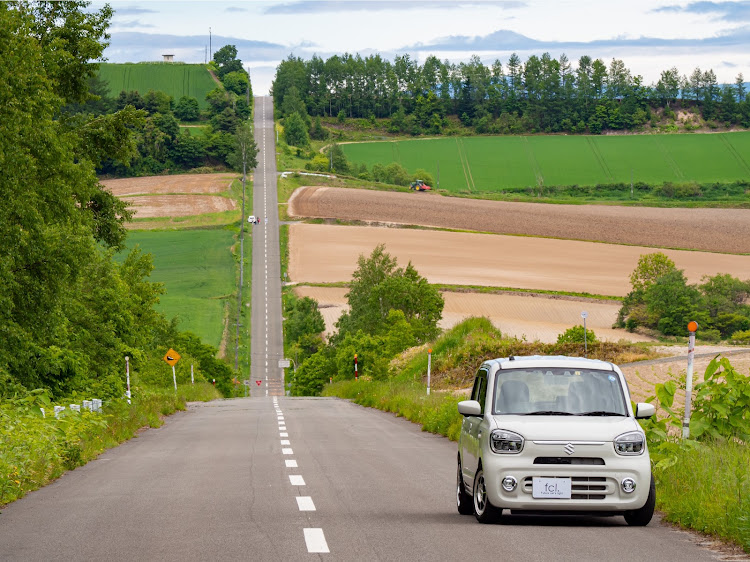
257,382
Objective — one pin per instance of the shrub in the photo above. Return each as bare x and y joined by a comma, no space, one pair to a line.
575,335
741,337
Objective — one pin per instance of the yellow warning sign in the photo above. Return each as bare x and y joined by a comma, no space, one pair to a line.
172,357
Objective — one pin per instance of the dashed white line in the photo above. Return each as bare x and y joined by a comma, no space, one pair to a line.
285,442
305,503
287,451
315,540
296,480
283,434
291,463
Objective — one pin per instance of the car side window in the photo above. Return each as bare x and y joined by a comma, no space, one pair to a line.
479,392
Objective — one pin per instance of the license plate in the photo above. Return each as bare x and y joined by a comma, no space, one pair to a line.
551,488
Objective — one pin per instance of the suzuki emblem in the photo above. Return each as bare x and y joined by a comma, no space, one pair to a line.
570,449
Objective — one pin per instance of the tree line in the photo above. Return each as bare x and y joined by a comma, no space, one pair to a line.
69,312
160,144
541,95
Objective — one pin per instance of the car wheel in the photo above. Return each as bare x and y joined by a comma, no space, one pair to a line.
484,511
463,500
641,517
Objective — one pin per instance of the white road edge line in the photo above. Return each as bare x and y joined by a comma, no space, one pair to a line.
315,540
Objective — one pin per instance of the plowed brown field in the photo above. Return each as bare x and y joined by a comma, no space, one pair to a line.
327,253
174,196
713,230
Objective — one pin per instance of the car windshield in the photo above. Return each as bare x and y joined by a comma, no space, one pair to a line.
558,391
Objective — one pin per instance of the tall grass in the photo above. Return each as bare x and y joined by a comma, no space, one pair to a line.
36,450
708,489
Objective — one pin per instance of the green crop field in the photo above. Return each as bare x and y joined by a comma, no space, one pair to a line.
176,79
198,272
491,164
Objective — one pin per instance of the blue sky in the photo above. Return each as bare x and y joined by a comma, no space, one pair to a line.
648,35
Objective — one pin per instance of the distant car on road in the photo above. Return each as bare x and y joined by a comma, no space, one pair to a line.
553,434
253,219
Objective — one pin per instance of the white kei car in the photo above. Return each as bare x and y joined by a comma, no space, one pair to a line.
553,434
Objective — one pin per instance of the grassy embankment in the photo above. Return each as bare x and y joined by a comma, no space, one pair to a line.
703,490
36,450
176,79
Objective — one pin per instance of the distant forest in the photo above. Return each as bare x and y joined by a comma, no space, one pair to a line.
542,95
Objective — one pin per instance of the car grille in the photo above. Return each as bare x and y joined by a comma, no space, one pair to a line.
569,460
581,487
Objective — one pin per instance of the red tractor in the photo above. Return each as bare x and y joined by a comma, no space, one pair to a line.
420,185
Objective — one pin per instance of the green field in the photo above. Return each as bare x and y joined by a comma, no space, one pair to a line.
198,272
491,164
176,79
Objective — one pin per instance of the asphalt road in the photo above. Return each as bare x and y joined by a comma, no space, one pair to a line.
295,479
266,346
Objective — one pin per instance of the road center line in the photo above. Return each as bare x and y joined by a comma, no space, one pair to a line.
315,540
291,463
305,503
296,480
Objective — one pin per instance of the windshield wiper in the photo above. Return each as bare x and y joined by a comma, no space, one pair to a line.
549,413
600,413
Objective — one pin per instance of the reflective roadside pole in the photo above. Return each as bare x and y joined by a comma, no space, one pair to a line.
692,328
127,377
429,365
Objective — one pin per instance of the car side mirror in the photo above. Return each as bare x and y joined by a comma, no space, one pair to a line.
469,408
644,410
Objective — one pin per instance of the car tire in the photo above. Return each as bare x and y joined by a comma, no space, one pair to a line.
641,517
484,511
463,500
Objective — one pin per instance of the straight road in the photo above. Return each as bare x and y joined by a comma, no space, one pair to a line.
279,478
266,346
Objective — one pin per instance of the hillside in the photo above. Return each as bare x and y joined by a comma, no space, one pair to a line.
176,79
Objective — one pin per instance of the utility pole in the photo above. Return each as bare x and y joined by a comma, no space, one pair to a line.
210,49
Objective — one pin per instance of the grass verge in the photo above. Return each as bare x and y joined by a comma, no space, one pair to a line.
36,450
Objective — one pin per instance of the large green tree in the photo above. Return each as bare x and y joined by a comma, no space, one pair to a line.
379,286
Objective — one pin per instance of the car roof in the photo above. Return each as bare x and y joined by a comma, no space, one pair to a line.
546,361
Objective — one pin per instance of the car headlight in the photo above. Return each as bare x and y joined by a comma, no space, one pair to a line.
631,443
505,442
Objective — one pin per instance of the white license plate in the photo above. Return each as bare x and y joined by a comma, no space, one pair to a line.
551,488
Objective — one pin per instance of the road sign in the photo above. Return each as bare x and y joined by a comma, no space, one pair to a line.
258,382
284,363
172,357
584,315
246,382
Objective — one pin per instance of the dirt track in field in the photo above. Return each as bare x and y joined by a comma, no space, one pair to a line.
713,230
327,253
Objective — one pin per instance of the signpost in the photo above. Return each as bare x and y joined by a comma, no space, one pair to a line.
585,315
692,328
172,357
356,374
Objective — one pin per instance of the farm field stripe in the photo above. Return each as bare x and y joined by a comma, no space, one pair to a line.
463,166
733,152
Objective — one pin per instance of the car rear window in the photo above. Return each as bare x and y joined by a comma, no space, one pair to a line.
558,391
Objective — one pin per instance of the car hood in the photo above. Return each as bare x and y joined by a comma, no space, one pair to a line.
566,428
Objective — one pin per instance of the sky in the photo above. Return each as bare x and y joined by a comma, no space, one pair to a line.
650,36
